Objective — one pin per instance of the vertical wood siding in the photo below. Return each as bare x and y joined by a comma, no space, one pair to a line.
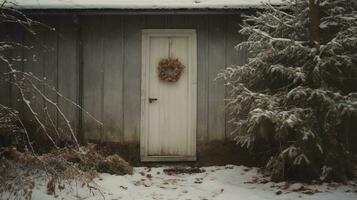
216,90
232,58
68,70
5,91
96,62
132,76
201,24
16,35
113,62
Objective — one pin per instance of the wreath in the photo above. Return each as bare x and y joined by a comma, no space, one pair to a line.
170,69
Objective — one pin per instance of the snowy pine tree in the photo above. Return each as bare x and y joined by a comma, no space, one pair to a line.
298,89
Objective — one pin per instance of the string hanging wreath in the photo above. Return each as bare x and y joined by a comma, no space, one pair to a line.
170,69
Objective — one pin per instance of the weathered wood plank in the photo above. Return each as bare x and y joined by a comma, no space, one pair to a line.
177,22
155,49
233,57
5,97
92,75
132,76
50,70
113,78
17,36
33,63
155,21
201,25
216,90
67,72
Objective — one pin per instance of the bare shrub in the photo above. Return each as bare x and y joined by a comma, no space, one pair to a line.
20,164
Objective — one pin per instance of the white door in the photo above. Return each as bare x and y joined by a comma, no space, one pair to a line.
168,119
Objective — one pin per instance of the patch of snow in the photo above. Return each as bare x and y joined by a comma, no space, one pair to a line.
216,183
140,4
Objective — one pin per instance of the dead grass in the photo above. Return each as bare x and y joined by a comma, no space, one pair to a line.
19,171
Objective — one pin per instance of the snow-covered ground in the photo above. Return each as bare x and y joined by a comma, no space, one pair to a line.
226,183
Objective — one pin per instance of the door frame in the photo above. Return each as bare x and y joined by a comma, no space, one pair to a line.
192,62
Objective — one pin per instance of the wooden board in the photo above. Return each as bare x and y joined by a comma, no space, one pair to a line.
34,63
15,34
233,58
132,76
5,88
113,78
201,24
68,77
216,90
155,21
93,75
49,58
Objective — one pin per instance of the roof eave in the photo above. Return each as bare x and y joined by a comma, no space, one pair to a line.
107,11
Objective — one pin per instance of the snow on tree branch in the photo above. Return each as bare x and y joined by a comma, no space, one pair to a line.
295,94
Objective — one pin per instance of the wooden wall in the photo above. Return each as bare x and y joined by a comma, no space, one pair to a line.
95,60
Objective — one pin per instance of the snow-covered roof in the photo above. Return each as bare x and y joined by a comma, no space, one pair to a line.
140,4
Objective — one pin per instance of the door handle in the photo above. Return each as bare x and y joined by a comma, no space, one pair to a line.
151,100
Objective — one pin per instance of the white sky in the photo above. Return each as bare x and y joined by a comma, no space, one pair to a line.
139,4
